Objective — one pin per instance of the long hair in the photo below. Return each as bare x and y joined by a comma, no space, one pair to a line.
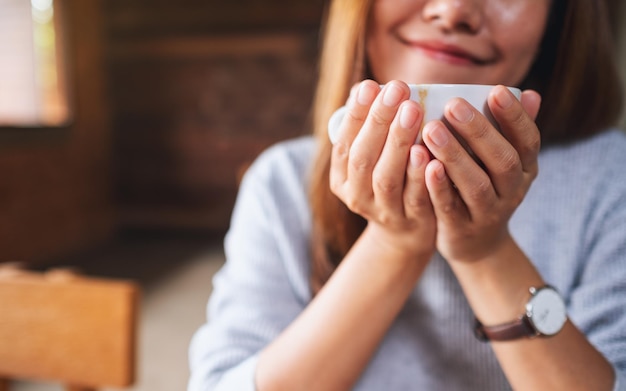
575,72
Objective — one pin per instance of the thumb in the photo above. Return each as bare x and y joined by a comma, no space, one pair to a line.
531,101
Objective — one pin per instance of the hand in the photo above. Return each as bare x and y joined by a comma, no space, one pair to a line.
378,171
474,200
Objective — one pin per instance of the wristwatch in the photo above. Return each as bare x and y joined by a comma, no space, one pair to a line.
545,316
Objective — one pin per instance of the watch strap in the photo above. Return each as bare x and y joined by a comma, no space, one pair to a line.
516,329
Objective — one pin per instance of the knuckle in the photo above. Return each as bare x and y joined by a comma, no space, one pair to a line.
385,185
480,191
452,208
353,116
455,155
360,163
519,118
447,208
481,131
378,119
335,185
400,143
354,204
341,149
386,218
533,145
417,203
509,161
518,198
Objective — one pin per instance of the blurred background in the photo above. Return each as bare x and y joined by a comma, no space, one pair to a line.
125,126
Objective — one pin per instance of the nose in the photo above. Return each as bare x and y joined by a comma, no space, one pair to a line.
455,15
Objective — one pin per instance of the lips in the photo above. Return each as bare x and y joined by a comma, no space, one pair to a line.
450,53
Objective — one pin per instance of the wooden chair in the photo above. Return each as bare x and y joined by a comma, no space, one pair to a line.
65,328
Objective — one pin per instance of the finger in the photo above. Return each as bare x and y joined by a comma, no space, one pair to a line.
472,183
361,98
531,101
517,124
498,157
359,103
447,205
416,199
389,175
370,140
382,112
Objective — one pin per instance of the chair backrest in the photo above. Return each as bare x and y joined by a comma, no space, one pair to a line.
67,328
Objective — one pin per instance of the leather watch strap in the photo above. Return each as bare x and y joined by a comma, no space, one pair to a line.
504,332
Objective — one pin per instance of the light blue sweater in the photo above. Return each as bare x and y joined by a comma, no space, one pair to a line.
572,224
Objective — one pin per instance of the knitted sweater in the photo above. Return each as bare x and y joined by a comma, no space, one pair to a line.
572,225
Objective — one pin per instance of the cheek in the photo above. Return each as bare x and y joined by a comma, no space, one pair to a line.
378,65
520,32
380,48
376,47
373,54
522,51
519,52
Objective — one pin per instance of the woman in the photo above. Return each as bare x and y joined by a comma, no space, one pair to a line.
370,264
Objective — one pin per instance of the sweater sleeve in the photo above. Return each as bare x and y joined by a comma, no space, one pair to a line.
620,381
262,286
597,303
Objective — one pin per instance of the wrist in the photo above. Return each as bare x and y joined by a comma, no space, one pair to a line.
403,245
544,315
378,251
476,250
497,286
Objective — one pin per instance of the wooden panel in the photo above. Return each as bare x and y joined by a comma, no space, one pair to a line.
70,329
190,113
132,18
198,89
55,192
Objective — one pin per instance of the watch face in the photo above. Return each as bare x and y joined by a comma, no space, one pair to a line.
546,311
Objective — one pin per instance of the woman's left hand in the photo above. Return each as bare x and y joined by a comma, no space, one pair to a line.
475,196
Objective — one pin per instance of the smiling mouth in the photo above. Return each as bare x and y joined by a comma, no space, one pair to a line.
446,53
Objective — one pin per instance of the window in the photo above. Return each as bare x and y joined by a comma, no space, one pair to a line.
33,91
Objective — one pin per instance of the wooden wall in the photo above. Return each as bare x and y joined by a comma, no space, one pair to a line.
198,89
173,100
55,186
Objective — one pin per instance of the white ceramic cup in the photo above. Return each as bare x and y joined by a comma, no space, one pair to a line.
433,98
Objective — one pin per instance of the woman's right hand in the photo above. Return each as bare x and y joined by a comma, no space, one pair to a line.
377,169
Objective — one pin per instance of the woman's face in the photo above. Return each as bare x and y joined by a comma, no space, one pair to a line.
454,41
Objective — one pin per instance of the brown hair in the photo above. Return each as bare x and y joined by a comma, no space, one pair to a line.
575,72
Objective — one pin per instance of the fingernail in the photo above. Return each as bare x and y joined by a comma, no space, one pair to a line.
504,98
438,135
408,116
417,158
392,95
461,111
365,95
440,173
